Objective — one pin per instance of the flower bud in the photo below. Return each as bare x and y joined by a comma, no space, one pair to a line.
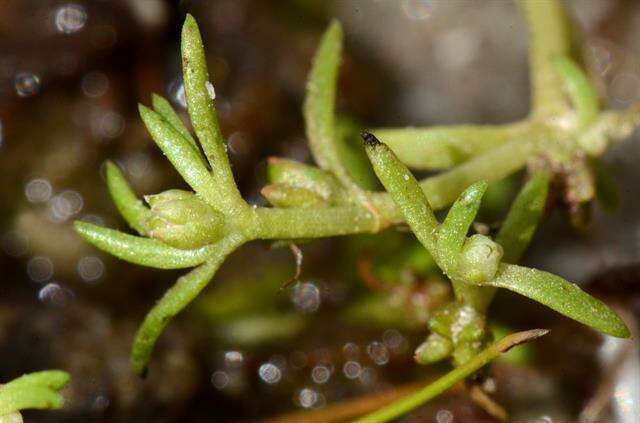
459,323
434,349
180,219
479,259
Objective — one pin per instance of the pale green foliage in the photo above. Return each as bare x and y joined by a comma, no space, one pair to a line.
552,291
323,201
34,390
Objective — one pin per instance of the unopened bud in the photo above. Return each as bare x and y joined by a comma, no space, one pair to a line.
180,219
479,260
434,349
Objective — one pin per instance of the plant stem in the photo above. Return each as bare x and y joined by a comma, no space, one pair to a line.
444,383
549,37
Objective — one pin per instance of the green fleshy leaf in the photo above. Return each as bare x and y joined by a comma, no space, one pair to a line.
203,114
443,147
299,175
454,229
53,379
562,296
352,154
164,109
579,89
174,300
522,220
404,190
142,251
281,195
181,154
130,207
33,391
320,100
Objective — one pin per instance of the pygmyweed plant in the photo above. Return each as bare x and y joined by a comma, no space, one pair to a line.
181,229
34,390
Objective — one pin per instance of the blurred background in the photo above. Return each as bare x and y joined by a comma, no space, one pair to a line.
71,75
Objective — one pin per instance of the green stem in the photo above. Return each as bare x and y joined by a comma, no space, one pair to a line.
447,381
292,223
549,37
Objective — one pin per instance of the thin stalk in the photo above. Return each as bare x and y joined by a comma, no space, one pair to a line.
549,37
447,381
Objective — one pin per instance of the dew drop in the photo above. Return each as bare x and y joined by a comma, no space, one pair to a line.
220,379
26,84
94,84
65,205
308,398
38,190
320,374
306,297
210,90
40,269
90,268
444,416
352,369
54,294
270,373
378,353
417,9
70,18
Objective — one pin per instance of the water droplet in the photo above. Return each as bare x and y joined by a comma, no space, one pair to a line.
107,125
239,143
320,374
70,18
90,268
38,190
417,9
394,341
65,205
233,358
308,398
137,165
625,87
270,373
368,376
352,369
306,297
26,84
210,90
220,379
40,269
351,350
53,293
444,416
378,353
176,91
94,84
